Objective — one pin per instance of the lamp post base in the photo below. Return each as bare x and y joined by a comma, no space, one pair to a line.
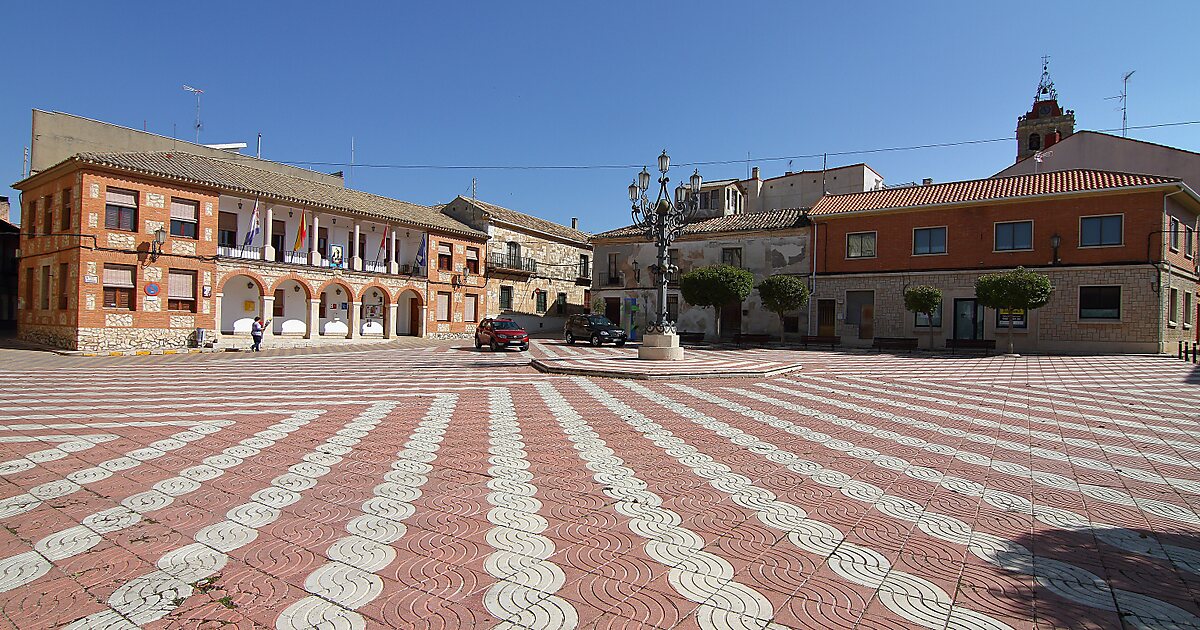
660,347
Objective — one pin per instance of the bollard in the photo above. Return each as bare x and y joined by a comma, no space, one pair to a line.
1195,351
1181,345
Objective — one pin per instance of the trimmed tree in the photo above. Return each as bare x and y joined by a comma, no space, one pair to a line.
716,286
781,294
598,306
923,299
1012,290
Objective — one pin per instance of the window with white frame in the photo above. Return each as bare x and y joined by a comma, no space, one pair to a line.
1189,239
1175,234
1101,231
921,320
470,308
185,218
860,245
929,241
1100,302
1173,308
443,307
1187,308
1014,236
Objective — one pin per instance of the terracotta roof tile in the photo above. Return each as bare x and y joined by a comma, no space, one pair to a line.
1032,185
520,219
774,220
232,176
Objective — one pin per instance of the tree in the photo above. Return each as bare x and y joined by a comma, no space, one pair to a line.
926,300
781,294
598,306
1012,290
716,286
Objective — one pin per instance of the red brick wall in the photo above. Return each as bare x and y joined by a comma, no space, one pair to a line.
455,284
53,325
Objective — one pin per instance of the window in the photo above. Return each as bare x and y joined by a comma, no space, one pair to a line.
1100,231
1014,236
47,214
560,305
445,257
227,229
1189,238
921,320
731,256
473,260
1100,302
1173,308
120,210
614,277
1035,142
119,286
64,272
673,307
31,213
506,298
541,301
277,304
64,221
514,254
1187,309
443,307
1017,315
929,241
1174,234
585,266
470,308
860,245
181,292
185,218
44,293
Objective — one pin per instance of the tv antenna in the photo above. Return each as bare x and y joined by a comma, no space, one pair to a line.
197,92
1124,98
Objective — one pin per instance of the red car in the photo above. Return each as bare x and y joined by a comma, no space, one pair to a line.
498,332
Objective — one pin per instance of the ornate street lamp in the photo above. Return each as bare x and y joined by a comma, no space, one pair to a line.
662,222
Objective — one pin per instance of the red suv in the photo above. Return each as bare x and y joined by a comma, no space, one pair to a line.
496,333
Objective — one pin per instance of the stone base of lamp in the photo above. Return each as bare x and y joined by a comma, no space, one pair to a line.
660,348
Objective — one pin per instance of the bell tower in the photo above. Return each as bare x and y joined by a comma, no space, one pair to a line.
1046,122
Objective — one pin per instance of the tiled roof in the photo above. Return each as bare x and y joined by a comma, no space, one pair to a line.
232,176
774,220
1054,182
520,219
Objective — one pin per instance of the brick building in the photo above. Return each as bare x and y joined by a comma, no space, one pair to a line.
324,263
1119,249
538,272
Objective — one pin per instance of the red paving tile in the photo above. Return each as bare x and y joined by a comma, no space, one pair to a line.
439,576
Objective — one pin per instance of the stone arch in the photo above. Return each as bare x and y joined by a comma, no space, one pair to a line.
375,302
1035,141
304,283
334,299
290,306
410,312
241,294
257,279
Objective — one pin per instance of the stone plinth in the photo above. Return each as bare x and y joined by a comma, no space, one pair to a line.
660,348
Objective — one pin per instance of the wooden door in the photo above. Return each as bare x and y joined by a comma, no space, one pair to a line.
414,318
731,319
826,326
612,309
866,322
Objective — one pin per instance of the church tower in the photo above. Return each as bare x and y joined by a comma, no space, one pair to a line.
1047,122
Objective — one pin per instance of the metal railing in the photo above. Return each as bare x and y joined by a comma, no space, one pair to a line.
250,253
500,260
374,266
609,279
295,258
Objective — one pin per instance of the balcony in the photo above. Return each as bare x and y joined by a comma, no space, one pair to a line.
512,264
248,253
584,276
292,258
611,279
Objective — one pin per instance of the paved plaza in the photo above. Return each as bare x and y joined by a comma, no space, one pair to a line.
437,486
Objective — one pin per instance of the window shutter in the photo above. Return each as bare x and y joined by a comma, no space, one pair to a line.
469,308
472,254
181,285
185,210
117,197
443,307
444,249
227,221
118,277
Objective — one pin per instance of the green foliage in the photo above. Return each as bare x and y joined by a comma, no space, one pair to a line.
783,293
598,305
716,286
1019,288
922,299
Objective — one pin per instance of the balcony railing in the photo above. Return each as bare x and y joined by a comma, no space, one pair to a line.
251,253
585,272
295,258
412,270
608,279
509,262
374,266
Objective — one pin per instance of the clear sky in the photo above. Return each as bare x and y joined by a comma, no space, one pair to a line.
598,83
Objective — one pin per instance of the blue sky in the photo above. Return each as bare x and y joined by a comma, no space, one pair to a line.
562,83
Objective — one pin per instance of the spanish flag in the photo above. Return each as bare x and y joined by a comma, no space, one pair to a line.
302,234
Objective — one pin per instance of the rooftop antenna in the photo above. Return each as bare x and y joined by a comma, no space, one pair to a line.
197,92
1124,98
351,177
474,183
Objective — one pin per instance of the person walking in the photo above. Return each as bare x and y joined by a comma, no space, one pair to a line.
256,333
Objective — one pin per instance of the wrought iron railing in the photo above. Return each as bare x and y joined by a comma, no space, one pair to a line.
511,262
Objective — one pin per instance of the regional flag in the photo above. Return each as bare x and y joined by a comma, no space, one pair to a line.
302,235
421,251
254,228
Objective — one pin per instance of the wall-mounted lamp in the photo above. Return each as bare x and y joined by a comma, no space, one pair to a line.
296,288
249,285
156,246
289,214
1055,242
637,273
338,291
239,205
335,220
372,228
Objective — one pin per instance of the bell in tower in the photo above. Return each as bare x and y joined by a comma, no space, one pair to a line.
1046,122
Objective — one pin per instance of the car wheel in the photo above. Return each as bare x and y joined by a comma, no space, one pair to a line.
619,344
570,339
478,344
495,348
596,341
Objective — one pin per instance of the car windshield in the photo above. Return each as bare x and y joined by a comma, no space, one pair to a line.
505,326
599,320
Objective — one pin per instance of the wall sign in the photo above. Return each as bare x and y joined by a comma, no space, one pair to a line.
206,291
90,279
1017,315
151,288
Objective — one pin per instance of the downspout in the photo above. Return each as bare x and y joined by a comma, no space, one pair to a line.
812,258
1162,324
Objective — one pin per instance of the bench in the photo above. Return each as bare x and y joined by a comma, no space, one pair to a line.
820,340
690,337
894,343
751,338
987,345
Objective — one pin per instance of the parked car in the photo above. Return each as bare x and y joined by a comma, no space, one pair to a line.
596,329
499,332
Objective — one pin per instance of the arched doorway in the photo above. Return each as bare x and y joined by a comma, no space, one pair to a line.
408,314
289,317
373,312
333,310
241,302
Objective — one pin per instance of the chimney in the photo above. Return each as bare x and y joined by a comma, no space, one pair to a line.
928,181
574,223
1052,139
754,173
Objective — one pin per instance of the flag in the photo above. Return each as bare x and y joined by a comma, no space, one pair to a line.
383,241
254,226
302,235
421,252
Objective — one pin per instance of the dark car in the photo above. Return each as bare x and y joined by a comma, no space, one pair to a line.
595,329
497,333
